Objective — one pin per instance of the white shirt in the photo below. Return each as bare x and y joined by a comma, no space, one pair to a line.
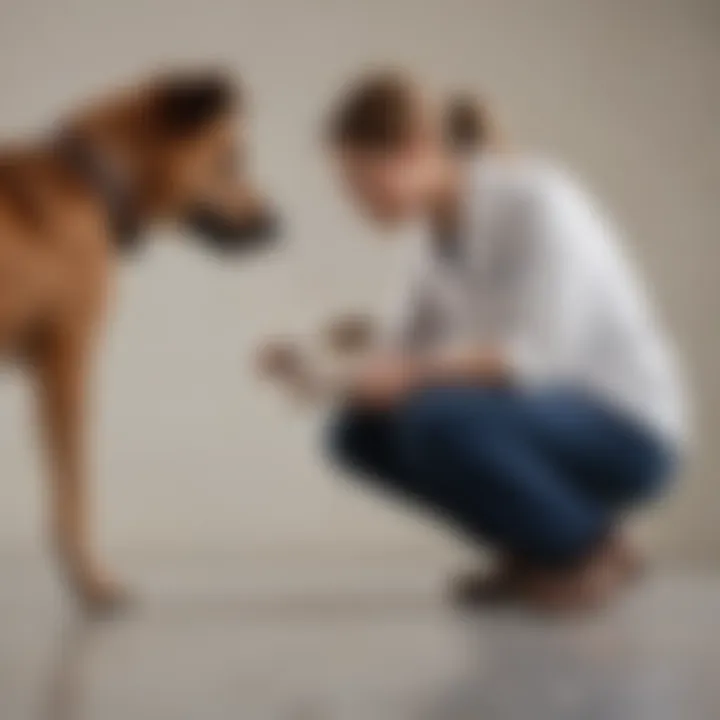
539,272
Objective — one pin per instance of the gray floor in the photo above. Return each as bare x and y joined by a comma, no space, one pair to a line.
371,643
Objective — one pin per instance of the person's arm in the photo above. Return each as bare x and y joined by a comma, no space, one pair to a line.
386,379
548,310
486,365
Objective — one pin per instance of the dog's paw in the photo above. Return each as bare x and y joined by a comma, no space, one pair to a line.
103,598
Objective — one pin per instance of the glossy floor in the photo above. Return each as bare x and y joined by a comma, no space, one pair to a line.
373,643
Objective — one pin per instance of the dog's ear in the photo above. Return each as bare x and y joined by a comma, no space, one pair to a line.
186,103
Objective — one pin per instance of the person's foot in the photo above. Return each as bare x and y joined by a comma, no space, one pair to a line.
104,598
586,586
631,562
498,585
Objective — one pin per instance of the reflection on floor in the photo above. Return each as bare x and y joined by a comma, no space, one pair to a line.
365,644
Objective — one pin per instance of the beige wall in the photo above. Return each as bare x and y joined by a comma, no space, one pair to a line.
190,454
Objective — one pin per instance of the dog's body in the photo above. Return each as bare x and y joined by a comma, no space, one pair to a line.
164,150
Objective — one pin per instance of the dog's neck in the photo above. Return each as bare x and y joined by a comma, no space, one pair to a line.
86,160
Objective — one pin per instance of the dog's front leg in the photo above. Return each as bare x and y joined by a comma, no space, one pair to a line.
63,367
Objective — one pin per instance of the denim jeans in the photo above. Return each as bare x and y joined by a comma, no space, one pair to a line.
540,474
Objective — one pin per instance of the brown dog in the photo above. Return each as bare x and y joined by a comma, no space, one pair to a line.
165,150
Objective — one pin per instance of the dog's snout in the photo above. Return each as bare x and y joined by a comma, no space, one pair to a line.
229,233
265,225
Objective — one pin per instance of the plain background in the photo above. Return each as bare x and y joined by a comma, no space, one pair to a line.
191,455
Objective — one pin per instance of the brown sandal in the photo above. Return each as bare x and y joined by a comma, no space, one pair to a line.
588,585
499,585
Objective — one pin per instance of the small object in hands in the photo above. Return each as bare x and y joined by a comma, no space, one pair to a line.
280,359
283,361
319,367
350,334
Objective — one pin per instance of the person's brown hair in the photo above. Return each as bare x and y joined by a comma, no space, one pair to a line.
381,111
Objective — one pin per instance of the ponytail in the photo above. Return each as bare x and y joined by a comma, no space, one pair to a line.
468,125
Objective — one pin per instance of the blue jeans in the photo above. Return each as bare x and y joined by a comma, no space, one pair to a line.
542,475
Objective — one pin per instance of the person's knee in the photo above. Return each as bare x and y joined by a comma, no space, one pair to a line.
341,437
349,438
435,420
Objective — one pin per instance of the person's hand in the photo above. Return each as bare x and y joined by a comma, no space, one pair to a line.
467,364
383,381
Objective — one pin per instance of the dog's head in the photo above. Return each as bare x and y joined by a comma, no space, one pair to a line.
179,143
